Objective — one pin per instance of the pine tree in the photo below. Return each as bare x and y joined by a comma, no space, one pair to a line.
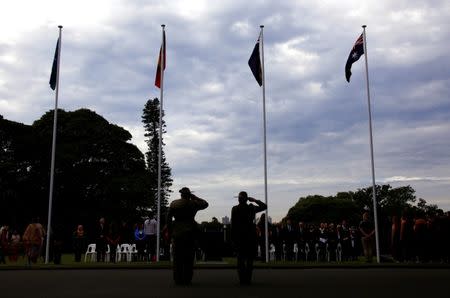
150,118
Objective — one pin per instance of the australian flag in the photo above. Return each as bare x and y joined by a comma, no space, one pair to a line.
356,52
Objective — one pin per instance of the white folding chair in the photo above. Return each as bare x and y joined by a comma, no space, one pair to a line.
91,253
295,251
107,253
307,250
133,252
124,251
272,252
339,252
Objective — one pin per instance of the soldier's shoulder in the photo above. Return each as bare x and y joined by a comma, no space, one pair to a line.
176,203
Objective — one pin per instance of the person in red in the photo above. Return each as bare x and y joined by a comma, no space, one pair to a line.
4,243
33,239
395,238
243,234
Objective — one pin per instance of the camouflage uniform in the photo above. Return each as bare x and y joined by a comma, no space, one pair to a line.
183,232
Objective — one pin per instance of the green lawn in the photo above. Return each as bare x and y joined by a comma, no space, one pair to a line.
68,262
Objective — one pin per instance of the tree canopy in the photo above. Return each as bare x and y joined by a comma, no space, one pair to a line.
98,172
349,205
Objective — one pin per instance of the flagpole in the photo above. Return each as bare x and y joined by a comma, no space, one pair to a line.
374,198
158,226
266,225
52,164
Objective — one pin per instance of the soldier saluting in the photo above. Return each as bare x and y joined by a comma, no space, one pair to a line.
183,232
243,234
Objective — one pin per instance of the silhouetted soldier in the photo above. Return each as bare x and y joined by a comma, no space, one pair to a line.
243,234
183,232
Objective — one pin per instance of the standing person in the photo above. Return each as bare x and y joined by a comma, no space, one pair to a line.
367,229
183,231
4,243
57,242
406,237
277,240
420,237
243,234
113,240
261,227
395,238
344,238
301,231
14,246
140,239
150,226
33,239
79,242
100,240
289,237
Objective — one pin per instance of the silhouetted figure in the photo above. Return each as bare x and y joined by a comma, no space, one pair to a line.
289,235
406,237
150,228
367,230
243,234
344,238
57,243
100,241
113,240
261,227
183,232
395,238
79,242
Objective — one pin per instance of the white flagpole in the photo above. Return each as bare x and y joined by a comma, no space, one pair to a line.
158,226
266,224
374,198
52,165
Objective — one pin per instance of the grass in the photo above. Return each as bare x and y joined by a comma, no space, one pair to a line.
68,262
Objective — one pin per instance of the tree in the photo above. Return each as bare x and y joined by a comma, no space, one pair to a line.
390,200
97,171
150,119
424,208
318,208
16,160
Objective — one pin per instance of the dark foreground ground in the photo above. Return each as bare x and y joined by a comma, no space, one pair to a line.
275,283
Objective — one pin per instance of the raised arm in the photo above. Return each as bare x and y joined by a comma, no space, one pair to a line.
200,204
260,206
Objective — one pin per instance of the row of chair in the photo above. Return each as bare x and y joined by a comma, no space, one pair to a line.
124,252
305,251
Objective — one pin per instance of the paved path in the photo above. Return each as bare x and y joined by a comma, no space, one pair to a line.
289,283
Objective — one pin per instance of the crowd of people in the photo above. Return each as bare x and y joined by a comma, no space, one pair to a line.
30,243
418,238
107,237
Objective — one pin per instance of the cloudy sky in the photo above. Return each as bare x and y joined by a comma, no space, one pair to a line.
317,123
